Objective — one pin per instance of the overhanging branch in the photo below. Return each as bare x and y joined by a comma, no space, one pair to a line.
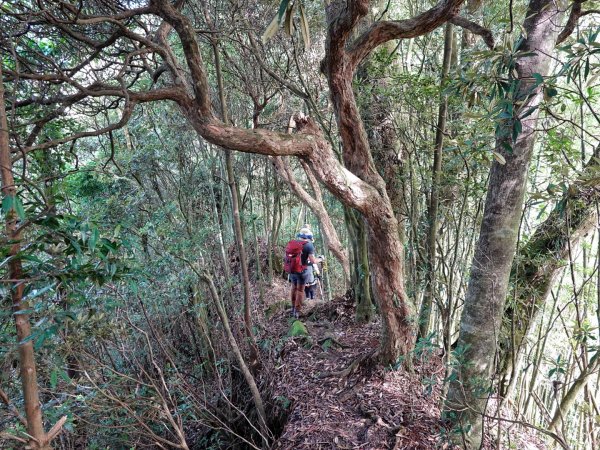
384,31
474,28
576,14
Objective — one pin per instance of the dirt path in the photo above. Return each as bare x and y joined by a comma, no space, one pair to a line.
333,403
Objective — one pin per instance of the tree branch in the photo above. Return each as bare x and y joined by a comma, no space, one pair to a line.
474,28
127,111
187,36
576,13
419,25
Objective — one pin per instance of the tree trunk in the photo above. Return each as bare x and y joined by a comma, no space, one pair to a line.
386,259
361,276
434,198
490,270
31,399
386,253
237,223
570,396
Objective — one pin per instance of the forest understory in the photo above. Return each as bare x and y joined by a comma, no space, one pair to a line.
332,394
442,159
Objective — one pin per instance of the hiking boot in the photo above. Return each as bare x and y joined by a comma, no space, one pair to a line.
294,313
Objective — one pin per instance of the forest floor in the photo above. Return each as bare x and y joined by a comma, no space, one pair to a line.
336,397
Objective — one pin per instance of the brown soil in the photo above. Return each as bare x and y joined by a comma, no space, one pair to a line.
335,402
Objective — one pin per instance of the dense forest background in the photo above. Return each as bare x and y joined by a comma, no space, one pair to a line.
157,156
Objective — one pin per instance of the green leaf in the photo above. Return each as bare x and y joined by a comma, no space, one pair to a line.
282,9
528,112
37,292
551,92
19,209
53,378
517,128
539,79
8,203
93,239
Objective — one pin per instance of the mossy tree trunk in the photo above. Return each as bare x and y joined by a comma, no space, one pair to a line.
361,277
490,270
538,264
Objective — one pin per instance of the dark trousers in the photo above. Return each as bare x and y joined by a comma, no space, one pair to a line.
309,290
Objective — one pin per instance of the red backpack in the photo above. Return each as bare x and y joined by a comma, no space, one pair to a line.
292,261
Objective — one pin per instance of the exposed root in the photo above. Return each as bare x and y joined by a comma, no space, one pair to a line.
365,360
333,340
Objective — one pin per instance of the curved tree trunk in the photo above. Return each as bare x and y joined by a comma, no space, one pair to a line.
386,252
490,270
358,184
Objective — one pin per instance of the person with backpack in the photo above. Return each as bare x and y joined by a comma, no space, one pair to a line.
312,278
299,253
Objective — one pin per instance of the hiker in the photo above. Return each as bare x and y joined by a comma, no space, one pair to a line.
299,253
312,278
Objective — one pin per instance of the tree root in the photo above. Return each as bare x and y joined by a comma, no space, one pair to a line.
333,341
364,360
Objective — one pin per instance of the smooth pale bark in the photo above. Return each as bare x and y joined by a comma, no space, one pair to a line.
490,270
538,264
434,198
31,398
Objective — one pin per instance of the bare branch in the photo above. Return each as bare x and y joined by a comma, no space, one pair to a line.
576,13
127,111
381,32
474,28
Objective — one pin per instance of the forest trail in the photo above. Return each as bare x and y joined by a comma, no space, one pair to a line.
331,403
331,406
